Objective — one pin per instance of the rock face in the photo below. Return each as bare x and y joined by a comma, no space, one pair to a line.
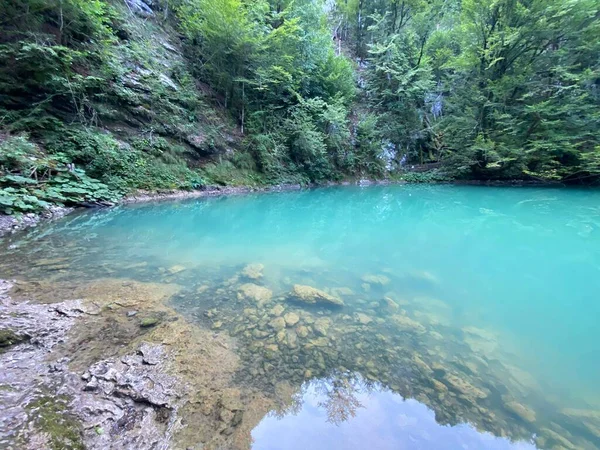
140,7
312,296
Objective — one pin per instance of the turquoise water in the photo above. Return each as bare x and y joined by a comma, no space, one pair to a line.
503,281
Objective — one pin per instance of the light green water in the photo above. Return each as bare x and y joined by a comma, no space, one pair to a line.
495,292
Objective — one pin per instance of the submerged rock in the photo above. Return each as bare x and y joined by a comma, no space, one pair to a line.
520,410
277,310
302,331
379,280
255,293
176,269
253,271
463,386
363,318
291,319
277,324
321,326
342,291
388,303
311,296
405,323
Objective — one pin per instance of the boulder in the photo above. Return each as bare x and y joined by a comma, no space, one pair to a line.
379,280
520,410
254,292
312,296
321,326
291,319
405,323
363,318
277,324
253,271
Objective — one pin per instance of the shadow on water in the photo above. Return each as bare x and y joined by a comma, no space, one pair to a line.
460,300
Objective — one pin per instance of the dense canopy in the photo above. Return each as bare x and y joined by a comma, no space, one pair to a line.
167,94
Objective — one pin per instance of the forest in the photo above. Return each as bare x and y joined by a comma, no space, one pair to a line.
99,98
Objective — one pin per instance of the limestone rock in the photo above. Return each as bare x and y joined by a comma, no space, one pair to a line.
363,318
255,293
277,324
302,331
291,319
520,410
463,386
388,303
253,271
311,296
342,291
277,310
321,326
176,269
379,280
405,323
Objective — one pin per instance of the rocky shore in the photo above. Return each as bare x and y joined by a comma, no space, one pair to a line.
95,372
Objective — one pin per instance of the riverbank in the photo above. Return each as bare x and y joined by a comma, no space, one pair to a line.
62,388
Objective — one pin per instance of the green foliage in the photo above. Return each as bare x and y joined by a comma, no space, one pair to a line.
31,181
494,90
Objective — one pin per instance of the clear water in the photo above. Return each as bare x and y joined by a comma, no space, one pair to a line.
503,283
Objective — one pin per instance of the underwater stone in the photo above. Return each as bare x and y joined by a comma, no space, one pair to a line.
387,302
405,323
520,410
380,280
363,318
280,337
253,271
302,331
321,326
463,386
216,325
311,296
341,291
547,434
254,292
176,269
277,310
292,338
291,319
277,324
318,342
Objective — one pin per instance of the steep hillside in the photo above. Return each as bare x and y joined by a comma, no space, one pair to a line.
97,100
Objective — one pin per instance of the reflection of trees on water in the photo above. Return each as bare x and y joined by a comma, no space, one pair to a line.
340,401
337,395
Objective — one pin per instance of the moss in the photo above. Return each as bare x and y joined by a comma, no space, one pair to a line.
52,417
9,337
147,322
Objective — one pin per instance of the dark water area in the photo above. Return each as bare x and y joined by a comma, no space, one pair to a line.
398,316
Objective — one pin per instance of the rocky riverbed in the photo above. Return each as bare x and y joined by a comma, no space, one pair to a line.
197,357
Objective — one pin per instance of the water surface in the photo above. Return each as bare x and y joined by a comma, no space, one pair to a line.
480,304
